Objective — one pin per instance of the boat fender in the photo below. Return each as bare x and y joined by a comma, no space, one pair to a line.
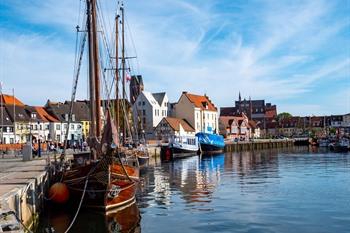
59,193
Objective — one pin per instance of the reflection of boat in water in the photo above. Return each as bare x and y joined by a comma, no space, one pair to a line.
211,143
342,145
125,220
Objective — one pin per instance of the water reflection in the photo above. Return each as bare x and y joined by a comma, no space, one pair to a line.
123,220
278,190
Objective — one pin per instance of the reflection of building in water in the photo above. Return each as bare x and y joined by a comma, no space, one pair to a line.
252,163
196,178
161,190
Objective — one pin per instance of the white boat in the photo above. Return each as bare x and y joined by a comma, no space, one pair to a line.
323,142
180,146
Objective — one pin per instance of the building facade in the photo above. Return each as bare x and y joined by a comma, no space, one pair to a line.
257,110
198,111
149,109
170,127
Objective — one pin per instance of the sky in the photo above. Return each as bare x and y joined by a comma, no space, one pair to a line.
295,54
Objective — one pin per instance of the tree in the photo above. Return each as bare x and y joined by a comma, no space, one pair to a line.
283,115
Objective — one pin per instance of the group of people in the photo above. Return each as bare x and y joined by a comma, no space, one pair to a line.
37,148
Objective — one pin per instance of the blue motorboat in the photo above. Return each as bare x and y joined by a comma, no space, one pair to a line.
211,143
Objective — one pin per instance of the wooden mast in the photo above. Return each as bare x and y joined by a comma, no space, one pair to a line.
116,73
92,132
96,71
123,73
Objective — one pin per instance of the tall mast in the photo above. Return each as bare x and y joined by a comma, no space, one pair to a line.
123,72
14,116
96,70
92,132
116,72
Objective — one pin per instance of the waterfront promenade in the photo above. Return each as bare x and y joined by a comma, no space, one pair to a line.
22,186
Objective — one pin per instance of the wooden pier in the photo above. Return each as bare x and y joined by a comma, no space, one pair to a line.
259,144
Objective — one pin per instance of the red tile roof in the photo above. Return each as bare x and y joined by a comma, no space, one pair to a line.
175,124
45,116
201,101
10,100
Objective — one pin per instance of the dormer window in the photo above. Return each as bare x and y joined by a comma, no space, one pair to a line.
73,117
205,104
33,115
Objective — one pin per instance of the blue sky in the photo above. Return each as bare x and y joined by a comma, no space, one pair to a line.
295,54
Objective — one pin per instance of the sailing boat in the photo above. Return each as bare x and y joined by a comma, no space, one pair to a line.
106,178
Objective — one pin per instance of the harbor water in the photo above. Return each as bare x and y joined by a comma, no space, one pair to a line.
279,190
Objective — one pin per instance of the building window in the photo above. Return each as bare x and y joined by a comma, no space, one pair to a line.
144,112
47,127
65,126
11,141
143,103
144,120
72,126
58,137
33,115
40,127
31,126
36,127
58,127
139,103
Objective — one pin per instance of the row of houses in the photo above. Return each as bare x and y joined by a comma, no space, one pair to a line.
20,123
318,126
154,116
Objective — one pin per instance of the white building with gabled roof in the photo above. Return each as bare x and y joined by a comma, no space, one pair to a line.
149,109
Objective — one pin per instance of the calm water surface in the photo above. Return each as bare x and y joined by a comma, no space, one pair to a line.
266,191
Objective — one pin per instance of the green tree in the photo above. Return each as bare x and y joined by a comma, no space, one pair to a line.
283,115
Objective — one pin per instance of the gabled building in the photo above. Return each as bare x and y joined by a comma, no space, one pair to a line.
149,109
18,116
81,111
169,127
6,127
47,123
256,110
239,127
60,111
39,128
198,111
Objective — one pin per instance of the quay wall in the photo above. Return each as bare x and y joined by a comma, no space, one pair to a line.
23,185
258,144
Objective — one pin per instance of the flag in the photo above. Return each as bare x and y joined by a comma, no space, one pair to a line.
127,77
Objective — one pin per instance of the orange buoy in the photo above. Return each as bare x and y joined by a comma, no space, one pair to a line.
59,193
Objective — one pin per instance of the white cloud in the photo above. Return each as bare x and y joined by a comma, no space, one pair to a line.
197,47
